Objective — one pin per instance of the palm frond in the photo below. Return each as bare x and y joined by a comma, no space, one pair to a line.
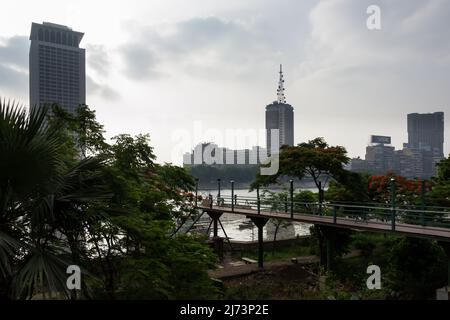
28,150
43,273
84,183
8,248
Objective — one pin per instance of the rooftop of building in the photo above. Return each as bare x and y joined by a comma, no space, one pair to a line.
55,25
35,27
277,104
426,114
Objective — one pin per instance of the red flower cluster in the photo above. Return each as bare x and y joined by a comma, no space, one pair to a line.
379,186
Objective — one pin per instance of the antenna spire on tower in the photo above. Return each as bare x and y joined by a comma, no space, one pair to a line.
280,91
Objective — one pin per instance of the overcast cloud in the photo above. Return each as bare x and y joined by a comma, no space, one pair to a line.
162,66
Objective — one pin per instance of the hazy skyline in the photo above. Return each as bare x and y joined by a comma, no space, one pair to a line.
159,66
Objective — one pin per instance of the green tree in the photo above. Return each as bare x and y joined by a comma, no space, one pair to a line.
276,202
416,268
336,240
440,192
444,169
140,259
314,158
29,164
349,187
34,183
80,129
112,214
320,161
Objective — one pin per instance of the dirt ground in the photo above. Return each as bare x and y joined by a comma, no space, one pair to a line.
282,282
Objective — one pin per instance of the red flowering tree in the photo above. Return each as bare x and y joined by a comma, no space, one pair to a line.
408,191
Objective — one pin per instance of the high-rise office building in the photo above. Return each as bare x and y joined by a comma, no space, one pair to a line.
426,136
280,116
57,66
426,132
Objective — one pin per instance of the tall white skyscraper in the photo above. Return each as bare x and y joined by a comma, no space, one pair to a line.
57,66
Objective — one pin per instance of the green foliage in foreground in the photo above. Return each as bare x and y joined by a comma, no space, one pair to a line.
410,269
69,197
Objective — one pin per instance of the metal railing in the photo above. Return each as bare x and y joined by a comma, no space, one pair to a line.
361,212
386,213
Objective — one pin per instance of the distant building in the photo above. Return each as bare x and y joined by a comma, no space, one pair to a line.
417,159
359,165
257,155
205,153
410,163
280,116
380,157
242,156
426,132
187,159
57,66
426,135
212,154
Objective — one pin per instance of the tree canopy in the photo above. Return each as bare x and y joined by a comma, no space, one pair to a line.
70,197
314,158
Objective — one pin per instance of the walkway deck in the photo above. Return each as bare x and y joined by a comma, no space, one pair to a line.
442,234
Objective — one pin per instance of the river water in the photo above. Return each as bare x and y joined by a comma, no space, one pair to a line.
239,228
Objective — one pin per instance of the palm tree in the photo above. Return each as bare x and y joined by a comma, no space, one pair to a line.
42,204
29,163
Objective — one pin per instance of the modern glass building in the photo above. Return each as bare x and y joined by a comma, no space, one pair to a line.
57,66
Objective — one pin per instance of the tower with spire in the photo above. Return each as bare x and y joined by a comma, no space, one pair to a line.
280,116
280,91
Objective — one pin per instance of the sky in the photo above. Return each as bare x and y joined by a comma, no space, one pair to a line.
196,71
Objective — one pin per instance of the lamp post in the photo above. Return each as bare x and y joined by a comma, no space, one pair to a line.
196,192
423,203
218,186
232,195
258,201
393,202
218,192
320,198
292,198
